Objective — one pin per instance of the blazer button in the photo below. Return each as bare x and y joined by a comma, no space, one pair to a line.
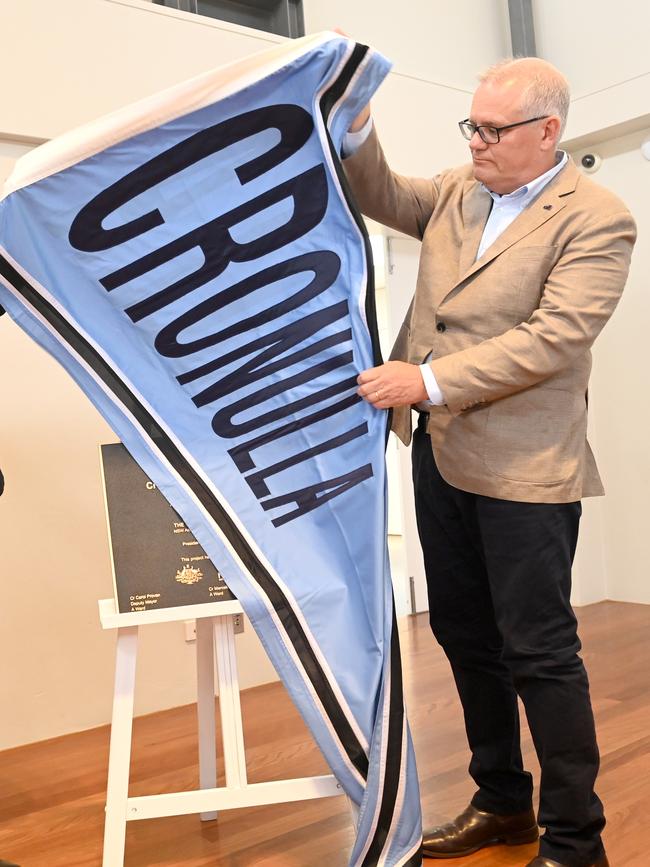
441,327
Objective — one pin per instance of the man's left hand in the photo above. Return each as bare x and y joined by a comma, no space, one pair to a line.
395,383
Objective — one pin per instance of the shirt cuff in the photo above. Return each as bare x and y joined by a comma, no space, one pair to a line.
436,397
352,141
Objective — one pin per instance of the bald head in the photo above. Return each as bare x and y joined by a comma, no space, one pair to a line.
540,88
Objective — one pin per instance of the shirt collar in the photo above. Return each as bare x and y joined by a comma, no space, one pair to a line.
532,188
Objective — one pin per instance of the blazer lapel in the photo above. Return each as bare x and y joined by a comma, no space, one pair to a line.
477,203
549,203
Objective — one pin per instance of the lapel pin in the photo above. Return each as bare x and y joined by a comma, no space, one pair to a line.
547,207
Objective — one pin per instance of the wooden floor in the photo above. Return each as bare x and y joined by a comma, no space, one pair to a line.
52,793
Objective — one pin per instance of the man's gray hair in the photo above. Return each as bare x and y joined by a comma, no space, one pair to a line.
547,91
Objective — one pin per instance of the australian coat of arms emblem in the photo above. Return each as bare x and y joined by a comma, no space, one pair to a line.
188,575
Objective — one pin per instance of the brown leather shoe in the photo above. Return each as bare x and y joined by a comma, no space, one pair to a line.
474,829
546,862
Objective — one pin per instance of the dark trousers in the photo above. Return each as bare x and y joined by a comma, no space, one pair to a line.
499,580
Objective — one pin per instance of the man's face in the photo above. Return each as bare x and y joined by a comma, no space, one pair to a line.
522,154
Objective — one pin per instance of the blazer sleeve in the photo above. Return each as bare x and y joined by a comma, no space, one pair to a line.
403,203
580,295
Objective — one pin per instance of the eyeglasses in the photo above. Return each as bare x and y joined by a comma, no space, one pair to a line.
490,134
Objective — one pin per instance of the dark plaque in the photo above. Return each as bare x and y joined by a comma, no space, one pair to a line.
157,562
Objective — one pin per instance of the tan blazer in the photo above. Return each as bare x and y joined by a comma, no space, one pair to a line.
510,334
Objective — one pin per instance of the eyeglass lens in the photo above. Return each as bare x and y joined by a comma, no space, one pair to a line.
488,133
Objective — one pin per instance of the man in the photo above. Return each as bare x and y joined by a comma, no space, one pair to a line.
523,261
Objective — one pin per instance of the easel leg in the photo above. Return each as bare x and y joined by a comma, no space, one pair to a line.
229,704
205,708
117,792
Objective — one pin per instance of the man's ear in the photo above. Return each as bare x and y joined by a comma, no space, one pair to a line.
551,132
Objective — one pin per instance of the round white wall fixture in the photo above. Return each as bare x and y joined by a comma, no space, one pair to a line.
645,148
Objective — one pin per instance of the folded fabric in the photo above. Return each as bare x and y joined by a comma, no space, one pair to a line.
197,264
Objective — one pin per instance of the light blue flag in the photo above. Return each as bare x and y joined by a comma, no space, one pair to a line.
197,264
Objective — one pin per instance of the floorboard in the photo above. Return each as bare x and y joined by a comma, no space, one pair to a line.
52,793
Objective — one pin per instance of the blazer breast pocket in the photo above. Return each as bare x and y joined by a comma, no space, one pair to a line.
530,267
518,280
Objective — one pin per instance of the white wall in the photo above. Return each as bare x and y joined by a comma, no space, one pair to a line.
437,50
620,399
597,44
87,57
55,662
91,56
602,48
446,42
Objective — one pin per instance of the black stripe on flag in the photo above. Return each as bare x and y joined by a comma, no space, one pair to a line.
396,718
327,101
162,443
393,768
336,90
415,860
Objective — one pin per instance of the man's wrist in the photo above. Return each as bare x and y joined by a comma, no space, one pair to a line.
436,397
352,141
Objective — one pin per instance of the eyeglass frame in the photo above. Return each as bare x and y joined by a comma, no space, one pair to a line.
498,129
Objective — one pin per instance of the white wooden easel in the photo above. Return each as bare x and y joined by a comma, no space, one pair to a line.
214,620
